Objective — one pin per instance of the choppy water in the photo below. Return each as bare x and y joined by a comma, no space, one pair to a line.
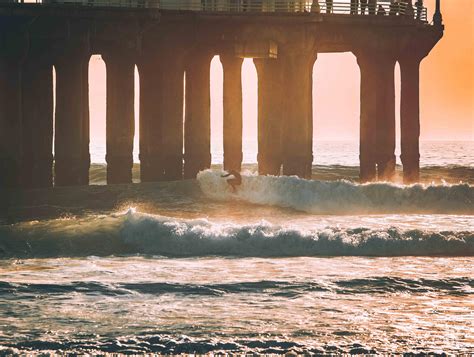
284,265
214,304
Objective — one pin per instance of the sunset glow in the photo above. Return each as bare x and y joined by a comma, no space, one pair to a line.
447,88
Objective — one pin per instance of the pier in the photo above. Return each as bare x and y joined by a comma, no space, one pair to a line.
172,43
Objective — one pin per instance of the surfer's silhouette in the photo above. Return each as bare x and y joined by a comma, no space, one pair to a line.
235,181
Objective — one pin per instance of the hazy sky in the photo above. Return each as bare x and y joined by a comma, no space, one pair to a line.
447,88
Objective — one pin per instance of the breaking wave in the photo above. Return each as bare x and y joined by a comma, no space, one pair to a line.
138,233
341,197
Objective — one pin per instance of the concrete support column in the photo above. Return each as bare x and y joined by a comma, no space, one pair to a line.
37,132
410,118
86,156
197,141
232,68
377,117
385,124
271,115
297,124
161,116
71,157
10,123
309,162
120,116
367,135
151,166
172,87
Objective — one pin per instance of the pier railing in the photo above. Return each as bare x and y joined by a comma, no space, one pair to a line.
372,8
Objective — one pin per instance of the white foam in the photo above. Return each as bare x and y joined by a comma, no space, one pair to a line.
341,197
140,233
179,237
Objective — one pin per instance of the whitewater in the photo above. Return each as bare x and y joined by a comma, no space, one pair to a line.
284,265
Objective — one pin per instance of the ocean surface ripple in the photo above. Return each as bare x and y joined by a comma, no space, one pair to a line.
284,265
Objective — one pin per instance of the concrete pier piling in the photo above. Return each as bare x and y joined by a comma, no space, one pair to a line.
86,156
410,118
170,47
71,149
271,115
10,123
367,139
171,103
197,125
37,124
120,121
232,100
297,143
385,118
377,117
151,162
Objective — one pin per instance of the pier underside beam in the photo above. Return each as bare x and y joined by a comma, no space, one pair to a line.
197,142
232,68
297,135
271,114
37,132
410,118
120,121
72,158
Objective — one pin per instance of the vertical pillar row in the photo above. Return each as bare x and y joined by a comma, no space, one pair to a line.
232,68
377,117
297,124
10,123
71,157
271,115
410,118
197,129
37,132
120,124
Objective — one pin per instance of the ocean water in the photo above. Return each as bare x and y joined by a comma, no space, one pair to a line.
285,265
333,153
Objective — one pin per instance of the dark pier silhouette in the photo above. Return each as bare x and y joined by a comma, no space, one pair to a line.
170,39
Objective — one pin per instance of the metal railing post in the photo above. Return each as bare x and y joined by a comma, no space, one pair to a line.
350,7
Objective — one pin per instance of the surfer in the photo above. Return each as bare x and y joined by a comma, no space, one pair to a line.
235,181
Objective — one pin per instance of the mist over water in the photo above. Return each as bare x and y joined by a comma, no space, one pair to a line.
283,265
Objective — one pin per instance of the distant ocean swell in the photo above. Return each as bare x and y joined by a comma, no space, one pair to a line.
429,174
137,233
341,197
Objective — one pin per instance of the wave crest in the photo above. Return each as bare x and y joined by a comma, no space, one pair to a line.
341,197
138,233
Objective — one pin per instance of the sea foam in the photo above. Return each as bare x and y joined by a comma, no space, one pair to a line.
139,233
341,197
